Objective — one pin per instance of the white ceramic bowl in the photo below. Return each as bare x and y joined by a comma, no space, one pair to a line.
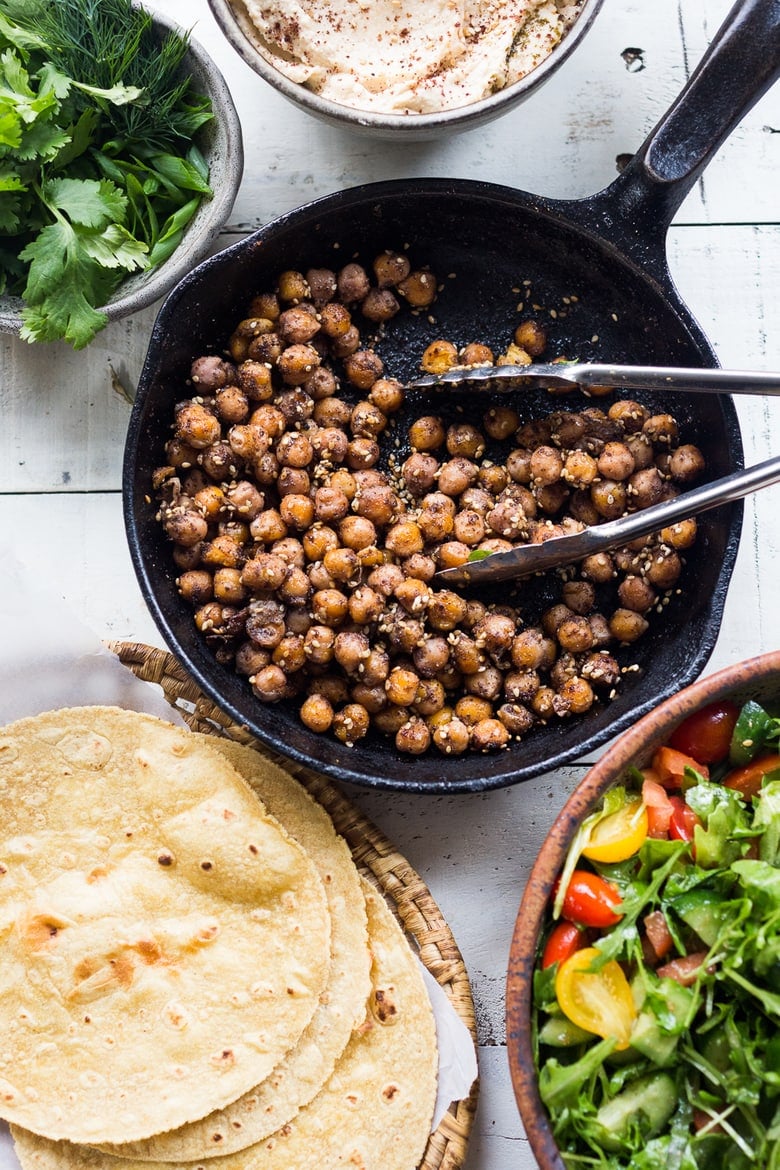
222,146
235,23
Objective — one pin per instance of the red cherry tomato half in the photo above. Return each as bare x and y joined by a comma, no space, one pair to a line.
590,900
565,938
748,780
682,821
706,734
669,766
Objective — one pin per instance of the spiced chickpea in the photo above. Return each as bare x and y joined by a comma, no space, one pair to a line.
297,511
329,607
362,453
661,429
472,708
390,268
546,465
543,703
363,368
531,337
250,658
486,683
615,461
452,553
289,654
209,500
500,422
335,320
646,487
419,472
367,420
350,650
296,589
516,718
228,588
373,698
492,477
436,519
452,737
196,586
430,697
574,634
686,463
413,737
317,713
351,723
401,686
357,532
469,527
609,498
413,595
296,363
298,324
319,577
418,288
578,694
376,667
439,357
420,566
365,606
489,735
318,643
265,304
385,578
197,426
551,497
518,465
330,505
290,549
520,686
495,632
268,526
464,439
293,481
446,609
221,553
681,535
186,559
329,443
465,655
341,564
265,571
390,720
404,538
387,395
626,625
636,593
270,684
431,656
664,568
292,286
352,283
456,475
265,347
598,567
580,596
427,433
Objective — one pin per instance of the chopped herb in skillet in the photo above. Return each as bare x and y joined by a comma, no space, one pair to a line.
658,989
99,175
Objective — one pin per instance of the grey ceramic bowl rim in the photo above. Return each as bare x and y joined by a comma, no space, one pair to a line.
403,125
143,289
633,746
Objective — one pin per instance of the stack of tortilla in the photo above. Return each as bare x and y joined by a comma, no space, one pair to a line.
192,970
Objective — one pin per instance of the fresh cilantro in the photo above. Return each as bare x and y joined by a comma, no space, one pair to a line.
99,176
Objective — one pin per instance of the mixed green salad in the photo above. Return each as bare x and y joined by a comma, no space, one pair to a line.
657,991
99,173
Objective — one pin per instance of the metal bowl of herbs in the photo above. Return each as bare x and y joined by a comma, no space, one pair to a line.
124,155
643,990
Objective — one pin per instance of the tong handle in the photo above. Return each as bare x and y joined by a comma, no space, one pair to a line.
571,375
528,559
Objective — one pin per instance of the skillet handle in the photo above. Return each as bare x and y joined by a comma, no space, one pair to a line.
740,65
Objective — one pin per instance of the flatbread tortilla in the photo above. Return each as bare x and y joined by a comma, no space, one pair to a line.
342,1007
375,1111
164,942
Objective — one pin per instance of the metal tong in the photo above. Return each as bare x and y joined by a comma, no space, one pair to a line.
562,376
527,559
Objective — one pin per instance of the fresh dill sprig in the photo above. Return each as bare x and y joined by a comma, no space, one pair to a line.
105,43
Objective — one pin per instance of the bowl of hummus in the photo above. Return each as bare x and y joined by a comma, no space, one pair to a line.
410,67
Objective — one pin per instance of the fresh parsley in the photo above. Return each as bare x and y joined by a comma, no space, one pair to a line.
99,174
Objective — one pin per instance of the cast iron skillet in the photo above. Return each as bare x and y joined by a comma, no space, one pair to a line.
608,252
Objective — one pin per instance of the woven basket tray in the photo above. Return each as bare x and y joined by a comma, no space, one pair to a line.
374,856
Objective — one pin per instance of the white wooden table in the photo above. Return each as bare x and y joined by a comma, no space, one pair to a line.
62,421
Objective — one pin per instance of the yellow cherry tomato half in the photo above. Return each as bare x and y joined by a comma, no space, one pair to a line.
620,834
599,1001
